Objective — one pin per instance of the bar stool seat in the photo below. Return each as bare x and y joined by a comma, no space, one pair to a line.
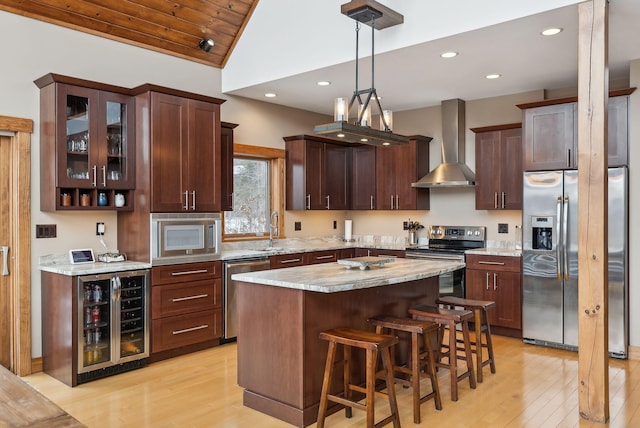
373,344
417,358
481,325
450,318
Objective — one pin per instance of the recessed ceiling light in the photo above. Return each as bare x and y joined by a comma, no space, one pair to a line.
323,83
449,54
270,95
551,31
493,76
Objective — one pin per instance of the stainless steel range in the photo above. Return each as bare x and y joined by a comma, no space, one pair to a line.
449,243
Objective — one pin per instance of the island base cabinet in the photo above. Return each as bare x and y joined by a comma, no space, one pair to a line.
281,357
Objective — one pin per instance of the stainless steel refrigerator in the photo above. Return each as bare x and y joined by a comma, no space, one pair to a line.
550,259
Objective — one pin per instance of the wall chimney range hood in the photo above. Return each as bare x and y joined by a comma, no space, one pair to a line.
452,172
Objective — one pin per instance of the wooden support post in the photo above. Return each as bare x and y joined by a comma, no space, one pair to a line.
593,78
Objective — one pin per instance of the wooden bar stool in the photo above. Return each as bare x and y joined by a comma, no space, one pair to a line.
450,317
372,343
481,325
391,325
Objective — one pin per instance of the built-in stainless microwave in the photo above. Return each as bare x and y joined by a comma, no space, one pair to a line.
184,237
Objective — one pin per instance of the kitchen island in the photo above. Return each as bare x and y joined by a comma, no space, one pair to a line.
282,312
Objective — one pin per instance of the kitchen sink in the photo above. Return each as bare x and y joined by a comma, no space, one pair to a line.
271,249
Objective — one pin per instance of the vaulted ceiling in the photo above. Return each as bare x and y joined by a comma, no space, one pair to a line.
174,27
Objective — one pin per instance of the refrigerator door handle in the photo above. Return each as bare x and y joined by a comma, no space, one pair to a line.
558,242
565,220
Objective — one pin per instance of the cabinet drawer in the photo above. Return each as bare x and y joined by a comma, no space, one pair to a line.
182,298
171,274
183,330
287,260
497,263
320,257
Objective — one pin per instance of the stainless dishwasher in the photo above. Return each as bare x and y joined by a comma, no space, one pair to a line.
232,267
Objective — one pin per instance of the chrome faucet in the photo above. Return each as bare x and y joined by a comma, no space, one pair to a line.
273,228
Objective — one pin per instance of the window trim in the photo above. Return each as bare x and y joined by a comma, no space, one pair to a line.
277,163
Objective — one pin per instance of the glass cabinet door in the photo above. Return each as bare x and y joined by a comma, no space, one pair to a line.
76,159
95,322
116,167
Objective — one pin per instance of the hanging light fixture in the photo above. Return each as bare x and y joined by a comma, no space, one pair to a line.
377,16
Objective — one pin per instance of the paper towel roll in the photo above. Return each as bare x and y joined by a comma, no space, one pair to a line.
347,230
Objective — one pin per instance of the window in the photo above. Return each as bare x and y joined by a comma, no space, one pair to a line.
258,189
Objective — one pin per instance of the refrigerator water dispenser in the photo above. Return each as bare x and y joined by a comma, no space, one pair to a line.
542,230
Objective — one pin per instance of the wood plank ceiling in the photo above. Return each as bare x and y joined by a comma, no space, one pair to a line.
174,27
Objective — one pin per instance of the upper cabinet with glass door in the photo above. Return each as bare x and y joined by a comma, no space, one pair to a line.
86,145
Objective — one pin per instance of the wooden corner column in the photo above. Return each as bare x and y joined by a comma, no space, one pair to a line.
593,78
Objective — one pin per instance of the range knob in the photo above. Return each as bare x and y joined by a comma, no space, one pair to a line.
477,233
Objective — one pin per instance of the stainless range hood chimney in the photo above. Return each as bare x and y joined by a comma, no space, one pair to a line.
452,172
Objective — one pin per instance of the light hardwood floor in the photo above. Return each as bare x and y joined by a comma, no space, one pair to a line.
533,387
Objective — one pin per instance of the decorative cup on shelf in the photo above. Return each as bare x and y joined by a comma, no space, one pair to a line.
65,199
102,199
119,200
85,200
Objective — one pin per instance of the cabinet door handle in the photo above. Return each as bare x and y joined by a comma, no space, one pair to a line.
5,260
309,201
187,330
283,262
569,158
397,202
95,179
391,201
328,198
189,272
503,199
324,257
495,200
495,276
182,299
371,201
104,176
490,263
193,206
487,279
186,200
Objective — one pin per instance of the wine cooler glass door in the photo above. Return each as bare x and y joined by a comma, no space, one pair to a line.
94,322
133,303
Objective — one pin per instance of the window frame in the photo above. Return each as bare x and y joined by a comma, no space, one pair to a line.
276,158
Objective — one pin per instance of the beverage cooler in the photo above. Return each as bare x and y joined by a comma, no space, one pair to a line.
113,323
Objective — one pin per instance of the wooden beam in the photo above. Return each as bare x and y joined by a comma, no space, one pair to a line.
593,78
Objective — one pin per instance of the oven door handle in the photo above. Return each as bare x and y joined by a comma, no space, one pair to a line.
454,258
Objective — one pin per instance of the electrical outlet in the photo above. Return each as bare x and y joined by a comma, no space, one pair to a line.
297,225
503,228
335,224
100,229
405,225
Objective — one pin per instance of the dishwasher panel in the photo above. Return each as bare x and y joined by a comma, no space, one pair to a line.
232,267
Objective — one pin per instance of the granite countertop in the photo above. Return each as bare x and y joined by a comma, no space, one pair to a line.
333,277
60,264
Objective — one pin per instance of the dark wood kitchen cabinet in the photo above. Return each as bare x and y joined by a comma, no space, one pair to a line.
186,308
185,154
551,138
497,278
499,167
317,173
87,146
226,147
396,168
363,177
